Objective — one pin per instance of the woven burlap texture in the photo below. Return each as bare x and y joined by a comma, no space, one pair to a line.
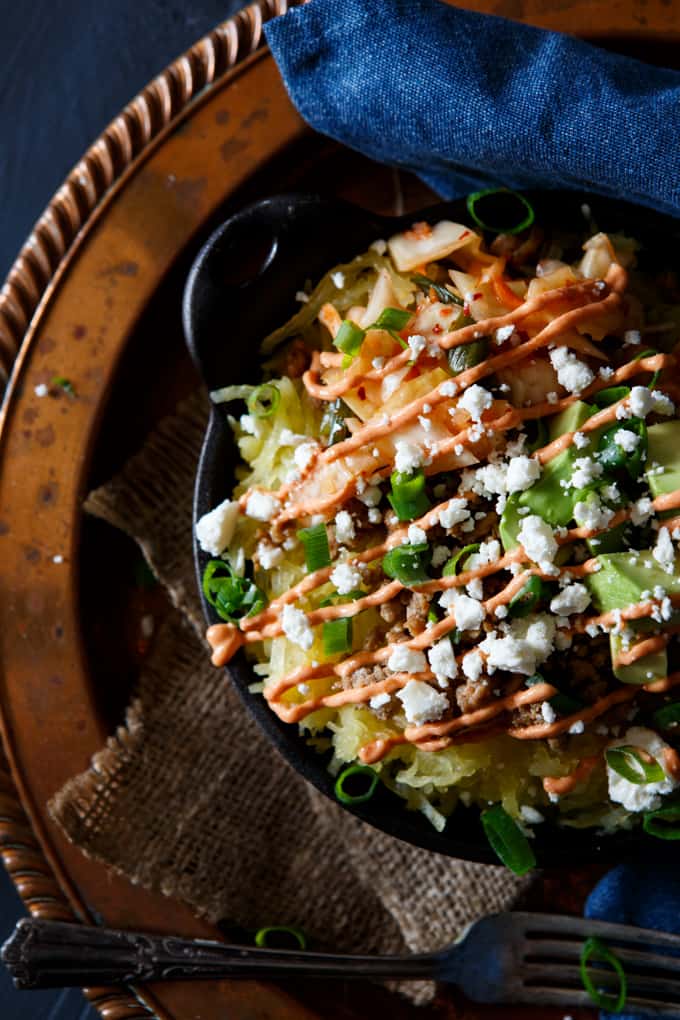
189,798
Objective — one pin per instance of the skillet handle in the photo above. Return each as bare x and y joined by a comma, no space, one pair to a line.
54,954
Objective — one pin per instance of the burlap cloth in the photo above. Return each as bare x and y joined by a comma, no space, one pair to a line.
189,798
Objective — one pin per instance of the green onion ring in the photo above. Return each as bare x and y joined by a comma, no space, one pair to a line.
629,763
262,936
477,196
356,770
593,948
451,567
655,822
264,400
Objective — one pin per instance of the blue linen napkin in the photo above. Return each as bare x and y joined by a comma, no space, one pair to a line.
468,100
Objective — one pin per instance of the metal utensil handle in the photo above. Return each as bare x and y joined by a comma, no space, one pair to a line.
54,954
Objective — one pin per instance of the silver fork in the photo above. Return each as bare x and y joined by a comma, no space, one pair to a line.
504,958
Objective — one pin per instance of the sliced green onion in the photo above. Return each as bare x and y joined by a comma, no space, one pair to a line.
391,319
349,338
507,840
467,355
333,427
337,635
408,563
594,949
660,823
613,457
264,400
629,763
540,436
64,384
369,782
667,716
650,353
315,542
605,398
526,600
408,497
443,293
270,938
524,216
336,599
231,596
452,567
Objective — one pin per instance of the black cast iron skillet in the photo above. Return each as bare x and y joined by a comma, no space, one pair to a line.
241,286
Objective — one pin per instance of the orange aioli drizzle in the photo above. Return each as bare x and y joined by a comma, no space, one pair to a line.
560,785
225,639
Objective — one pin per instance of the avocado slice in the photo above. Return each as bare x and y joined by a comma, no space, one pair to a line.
638,672
623,576
547,497
663,448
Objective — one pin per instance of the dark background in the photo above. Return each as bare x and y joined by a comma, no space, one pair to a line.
67,67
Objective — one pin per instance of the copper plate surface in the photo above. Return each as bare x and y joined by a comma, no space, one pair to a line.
93,297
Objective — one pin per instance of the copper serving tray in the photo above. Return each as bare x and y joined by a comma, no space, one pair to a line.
93,296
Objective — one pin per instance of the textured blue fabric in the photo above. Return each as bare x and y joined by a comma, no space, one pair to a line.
645,893
462,98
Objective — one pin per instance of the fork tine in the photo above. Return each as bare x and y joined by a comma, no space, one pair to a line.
546,975
536,925
562,949
574,997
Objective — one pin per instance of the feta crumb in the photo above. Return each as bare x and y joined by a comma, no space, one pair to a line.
577,727
261,506
663,551
640,796
215,529
304,689
304,455
41,390
378,700
440,554
580,440
422,703
406,660
538,540
418,344
301,297
522,472
573,374
641,511
408,456
449,388
475,589
454,513
442,660
345,578
416,535
338,279
504,333
468,612
552,397
548,712
473,665
575,598
374,515
476,400
296,627
500,612
379,246
592,515
662,403
370,495
585,471
344,527
378,363
605,372
632,337
626,439
269,555
531,816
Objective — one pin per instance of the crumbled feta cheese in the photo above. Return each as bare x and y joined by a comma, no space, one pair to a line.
475,589
269,555
449,388
370,495
442,660
500,612
531,816
548,712
538,540
261,506
408,456
476,400
379,246
249,424
378,700
338,279
605,372
416,535
406,660
421,702
454,513
592,515
304,455
522,473
573,374
296,627
41,390
418,344
662,403
473,665
378,363
580,440
641,401
632,337
490,480
374,515
640,796
641,511
575,598
468,613
301,297
345,578
552,397
585,471
344,527
504,333
440,554
524,647
663,551
626,439
215,529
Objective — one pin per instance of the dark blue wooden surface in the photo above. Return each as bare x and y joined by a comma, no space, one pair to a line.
66,69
